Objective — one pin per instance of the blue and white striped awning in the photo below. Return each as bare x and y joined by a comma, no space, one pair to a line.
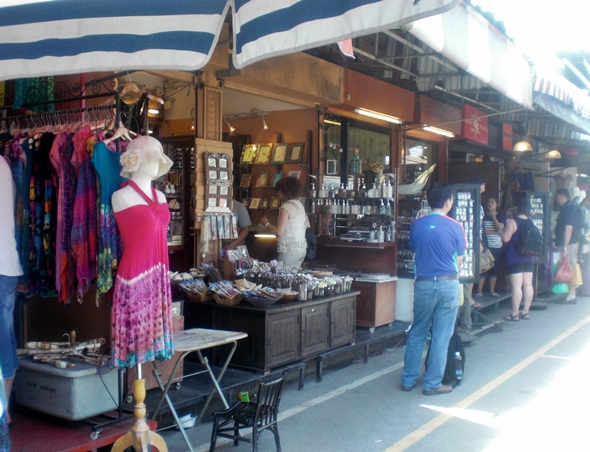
54,37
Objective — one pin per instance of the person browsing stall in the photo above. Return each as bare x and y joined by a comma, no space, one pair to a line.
243,221
493,222
438,242
291,225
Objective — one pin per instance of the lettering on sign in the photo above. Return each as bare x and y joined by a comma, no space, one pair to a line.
474,129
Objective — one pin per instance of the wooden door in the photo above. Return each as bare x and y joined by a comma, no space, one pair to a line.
343,319
315,329
283,338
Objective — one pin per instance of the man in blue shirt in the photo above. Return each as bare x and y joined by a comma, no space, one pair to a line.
439,244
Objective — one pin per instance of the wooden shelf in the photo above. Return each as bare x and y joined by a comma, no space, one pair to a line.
363,245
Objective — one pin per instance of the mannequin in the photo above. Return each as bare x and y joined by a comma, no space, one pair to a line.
10,270
142,323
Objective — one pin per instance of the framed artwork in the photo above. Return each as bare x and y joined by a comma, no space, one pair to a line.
248,153
246,202
212,175
222,202
263,203
294,173
212,189
254,203
275,203
211,162
277,177
262,180
246,180
212,202
331,167
296,152
279,154
223,162
223,190
223,175
263,154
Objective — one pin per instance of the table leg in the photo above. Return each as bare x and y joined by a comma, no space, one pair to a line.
168,384
215,381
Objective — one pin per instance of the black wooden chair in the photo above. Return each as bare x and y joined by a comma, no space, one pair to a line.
259,416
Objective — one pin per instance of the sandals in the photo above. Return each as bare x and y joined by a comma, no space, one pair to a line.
512,318
479,295
476,305
495,294
524,316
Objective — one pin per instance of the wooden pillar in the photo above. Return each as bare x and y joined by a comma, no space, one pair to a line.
209,107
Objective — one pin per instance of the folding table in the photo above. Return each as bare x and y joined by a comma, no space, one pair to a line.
187,342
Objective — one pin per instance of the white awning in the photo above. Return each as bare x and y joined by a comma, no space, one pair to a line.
468,40
39,38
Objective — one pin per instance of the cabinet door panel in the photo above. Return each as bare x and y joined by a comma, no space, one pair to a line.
315,329
283,338
343,318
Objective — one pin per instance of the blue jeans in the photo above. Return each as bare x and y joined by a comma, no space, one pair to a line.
8,359
435,304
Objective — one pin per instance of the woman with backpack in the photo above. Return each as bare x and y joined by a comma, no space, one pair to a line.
519,267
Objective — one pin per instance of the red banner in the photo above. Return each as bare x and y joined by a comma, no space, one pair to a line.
474,129
506,136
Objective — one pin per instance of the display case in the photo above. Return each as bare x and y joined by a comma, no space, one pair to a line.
540,213
410,208
467,211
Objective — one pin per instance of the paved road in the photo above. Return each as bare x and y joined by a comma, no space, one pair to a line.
525,388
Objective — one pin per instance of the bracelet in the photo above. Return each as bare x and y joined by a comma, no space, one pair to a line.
266,225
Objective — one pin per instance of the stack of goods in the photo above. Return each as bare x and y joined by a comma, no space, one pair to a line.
196,289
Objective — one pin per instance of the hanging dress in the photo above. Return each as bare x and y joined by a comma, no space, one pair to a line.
142,315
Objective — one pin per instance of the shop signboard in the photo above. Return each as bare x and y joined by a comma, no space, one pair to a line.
506,136
474,129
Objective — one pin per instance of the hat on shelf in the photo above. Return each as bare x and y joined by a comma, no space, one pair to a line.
141,150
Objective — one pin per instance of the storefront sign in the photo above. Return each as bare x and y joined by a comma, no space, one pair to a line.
507,137
474,129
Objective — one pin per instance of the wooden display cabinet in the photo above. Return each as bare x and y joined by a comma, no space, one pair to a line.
375,306
282,333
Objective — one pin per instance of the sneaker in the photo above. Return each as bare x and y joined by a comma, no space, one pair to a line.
408,388
443,389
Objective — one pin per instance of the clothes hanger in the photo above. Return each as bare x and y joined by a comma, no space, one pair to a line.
121,132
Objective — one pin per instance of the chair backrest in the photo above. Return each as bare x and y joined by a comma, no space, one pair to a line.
267,405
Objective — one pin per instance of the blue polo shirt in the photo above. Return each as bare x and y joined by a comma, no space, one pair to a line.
437,240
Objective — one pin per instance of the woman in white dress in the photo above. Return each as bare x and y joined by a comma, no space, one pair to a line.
291,225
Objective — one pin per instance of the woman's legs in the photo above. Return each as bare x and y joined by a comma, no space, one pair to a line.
528,292
482,280
516,285
493,280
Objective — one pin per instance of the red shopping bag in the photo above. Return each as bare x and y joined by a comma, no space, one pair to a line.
564,271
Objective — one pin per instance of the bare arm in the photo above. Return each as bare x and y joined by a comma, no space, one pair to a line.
460,262
279,229
567,237
507,232
241,238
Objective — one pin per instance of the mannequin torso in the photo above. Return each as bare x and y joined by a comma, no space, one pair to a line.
127,196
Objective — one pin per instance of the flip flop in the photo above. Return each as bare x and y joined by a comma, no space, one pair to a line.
476,305
495,294
479,295
524,316
512,318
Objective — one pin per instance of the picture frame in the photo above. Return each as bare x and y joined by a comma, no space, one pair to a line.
222,202
331,166
212,175
262,180
212,201
212,162
296,152
223,162
277,177
212,189
294,173
279,152
263,203
246,202
275,203
223,175
248,153
254,203
263,154
224,190
246,180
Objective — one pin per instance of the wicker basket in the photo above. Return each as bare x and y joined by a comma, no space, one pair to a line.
205,296
226,301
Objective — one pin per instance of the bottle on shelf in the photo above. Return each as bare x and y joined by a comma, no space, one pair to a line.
312,191
313,206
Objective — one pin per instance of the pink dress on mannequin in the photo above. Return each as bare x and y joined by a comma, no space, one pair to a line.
142,316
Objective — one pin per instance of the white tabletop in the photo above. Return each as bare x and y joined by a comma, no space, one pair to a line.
200,339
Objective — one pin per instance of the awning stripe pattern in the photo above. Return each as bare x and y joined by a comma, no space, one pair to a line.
558,87
56,37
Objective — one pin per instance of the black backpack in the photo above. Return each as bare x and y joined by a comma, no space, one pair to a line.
451,376
529,241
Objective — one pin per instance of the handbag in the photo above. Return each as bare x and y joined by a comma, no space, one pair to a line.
564,271
486,260
312,245
576,276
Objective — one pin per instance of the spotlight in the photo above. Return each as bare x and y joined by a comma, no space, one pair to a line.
231,128
264,126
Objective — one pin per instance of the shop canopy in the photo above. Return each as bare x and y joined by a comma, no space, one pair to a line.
55,37
469,41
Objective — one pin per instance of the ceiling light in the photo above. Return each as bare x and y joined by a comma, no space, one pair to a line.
327,121
444,133
375,115
523,146
264,125
554,154
265,236
153,111
231,128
